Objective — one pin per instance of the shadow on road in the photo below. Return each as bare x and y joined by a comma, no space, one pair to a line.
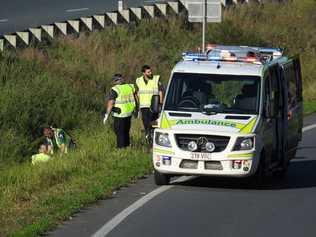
301,174
306,147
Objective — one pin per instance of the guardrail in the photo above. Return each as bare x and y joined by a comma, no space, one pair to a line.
96,22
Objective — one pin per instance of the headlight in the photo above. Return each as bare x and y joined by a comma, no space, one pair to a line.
162,139
244,143
192,146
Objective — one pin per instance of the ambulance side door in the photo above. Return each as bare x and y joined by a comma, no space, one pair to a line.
294,103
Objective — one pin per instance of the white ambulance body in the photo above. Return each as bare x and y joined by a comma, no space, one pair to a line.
235,111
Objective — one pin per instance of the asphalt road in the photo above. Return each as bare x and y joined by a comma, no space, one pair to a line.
17,15
216,207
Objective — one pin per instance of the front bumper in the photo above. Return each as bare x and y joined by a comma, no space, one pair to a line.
236,166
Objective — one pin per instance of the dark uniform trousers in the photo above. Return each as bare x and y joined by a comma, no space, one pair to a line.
147,117
121,129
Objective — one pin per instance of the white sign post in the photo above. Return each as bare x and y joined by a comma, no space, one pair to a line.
204,11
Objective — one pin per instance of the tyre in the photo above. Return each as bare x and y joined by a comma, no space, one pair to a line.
280,174
161,179
282,171
260,175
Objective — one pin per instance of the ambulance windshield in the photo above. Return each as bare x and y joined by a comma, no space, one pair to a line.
211,94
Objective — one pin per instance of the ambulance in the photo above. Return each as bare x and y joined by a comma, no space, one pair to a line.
234,111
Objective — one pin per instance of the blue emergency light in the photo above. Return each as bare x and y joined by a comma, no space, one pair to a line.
235,54
194,56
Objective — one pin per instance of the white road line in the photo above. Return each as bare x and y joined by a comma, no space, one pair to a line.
309,127
109,226
3,20
302,160
77,9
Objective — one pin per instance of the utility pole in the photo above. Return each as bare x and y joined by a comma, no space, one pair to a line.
204,24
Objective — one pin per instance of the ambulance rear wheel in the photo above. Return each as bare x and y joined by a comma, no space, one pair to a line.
161,179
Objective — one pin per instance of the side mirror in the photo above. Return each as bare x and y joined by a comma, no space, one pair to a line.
154,107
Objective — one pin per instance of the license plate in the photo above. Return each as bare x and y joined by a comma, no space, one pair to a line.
201,156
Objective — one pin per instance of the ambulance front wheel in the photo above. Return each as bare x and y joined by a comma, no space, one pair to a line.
161,179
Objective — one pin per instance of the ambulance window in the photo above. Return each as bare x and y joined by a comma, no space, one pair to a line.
271,93
213,93
268,94
291,79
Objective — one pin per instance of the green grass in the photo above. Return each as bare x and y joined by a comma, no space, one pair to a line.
309,107
33,198
66,84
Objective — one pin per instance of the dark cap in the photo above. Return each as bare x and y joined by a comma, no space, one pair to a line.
117,77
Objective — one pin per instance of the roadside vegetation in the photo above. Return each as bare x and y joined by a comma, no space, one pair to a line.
65,84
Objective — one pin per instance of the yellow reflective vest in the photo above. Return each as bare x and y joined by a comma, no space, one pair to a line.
146,91
125,100
41,157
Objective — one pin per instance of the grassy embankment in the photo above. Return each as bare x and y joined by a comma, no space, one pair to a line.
65,84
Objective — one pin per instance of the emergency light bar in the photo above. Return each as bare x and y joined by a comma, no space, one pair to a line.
256,55
192,56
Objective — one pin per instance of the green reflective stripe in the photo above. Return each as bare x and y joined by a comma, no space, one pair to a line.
245,155
122,115
249,126
165,123
145,92
162,151
125,100
144,106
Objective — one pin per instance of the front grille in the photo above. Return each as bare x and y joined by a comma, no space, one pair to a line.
183,140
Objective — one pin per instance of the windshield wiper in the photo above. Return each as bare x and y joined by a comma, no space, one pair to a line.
211,111
237,111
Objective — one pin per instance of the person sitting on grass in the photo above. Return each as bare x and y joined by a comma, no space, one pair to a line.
42,155
56,139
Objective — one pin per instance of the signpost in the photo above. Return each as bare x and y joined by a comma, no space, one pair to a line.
204,11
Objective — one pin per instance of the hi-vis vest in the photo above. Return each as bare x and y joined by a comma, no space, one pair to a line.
41,157
60,137
125,100
146,91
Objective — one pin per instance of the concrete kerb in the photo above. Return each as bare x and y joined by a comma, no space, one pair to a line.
137,11
150,10
75,25
162,7
23,38
111,18
86,22
62,27
48,30
99,21
35,34
1,45
174,6
125,15
90,23
11,39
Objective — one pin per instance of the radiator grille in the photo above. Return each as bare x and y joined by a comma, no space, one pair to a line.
183,140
